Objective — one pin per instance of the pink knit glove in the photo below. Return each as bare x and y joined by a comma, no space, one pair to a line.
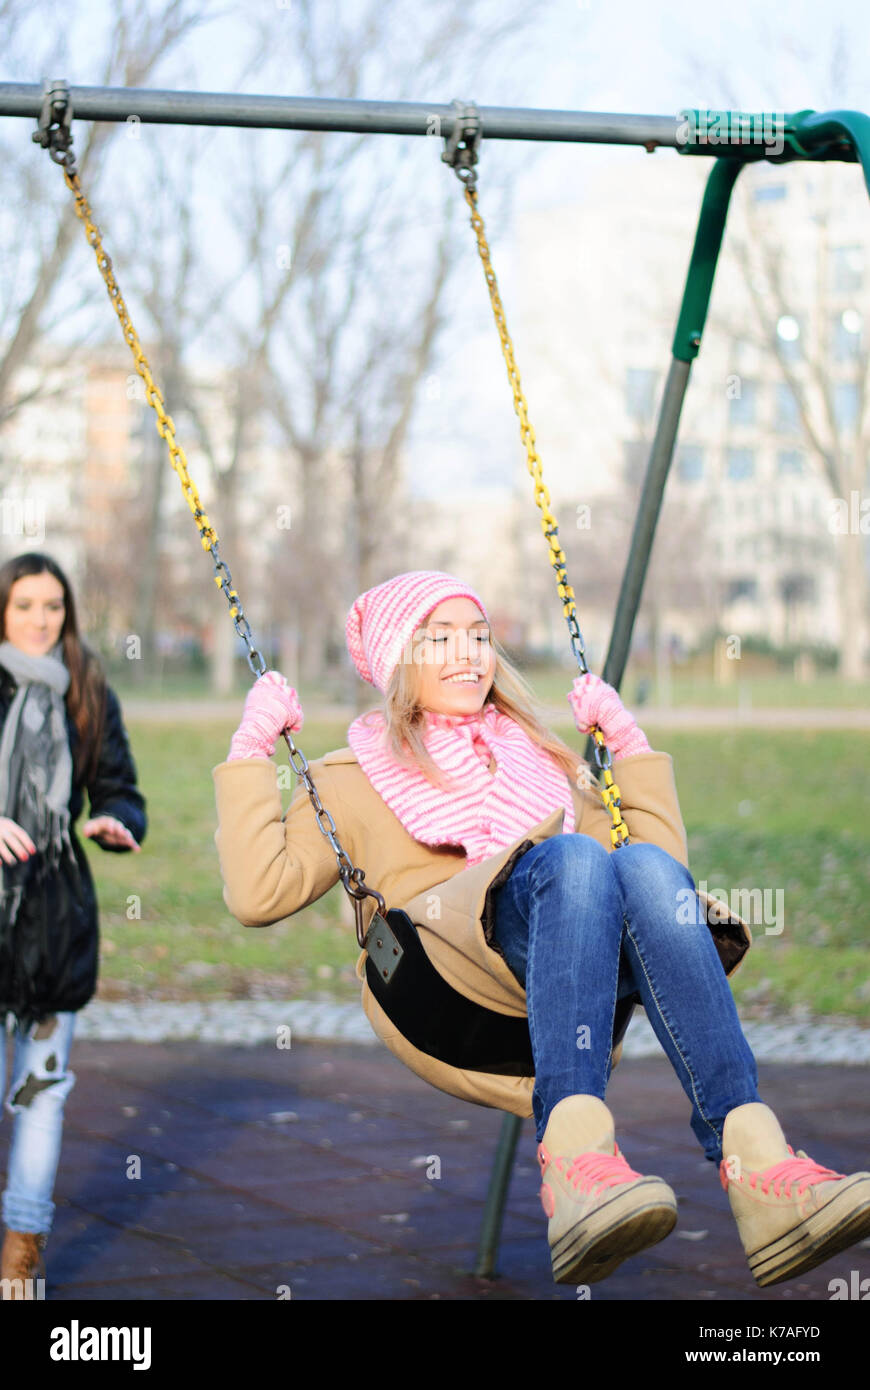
593,701
271,707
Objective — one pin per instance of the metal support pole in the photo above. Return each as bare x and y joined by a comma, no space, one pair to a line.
493,1212
644,527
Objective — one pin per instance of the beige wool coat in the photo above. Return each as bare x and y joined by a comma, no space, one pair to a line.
273,866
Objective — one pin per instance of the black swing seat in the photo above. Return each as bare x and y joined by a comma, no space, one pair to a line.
438,1020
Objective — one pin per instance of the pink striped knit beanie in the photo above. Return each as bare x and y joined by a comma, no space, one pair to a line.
382,621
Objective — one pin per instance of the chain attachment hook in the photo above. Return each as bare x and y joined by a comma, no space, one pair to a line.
54,132
462,145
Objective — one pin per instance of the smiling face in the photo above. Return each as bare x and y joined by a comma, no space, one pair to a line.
35,613
457,643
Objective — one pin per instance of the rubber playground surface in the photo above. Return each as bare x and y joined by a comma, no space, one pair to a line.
328,1171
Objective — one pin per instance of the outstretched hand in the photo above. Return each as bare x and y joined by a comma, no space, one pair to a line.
111,832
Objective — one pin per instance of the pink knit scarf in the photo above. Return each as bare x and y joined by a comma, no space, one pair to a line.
495,809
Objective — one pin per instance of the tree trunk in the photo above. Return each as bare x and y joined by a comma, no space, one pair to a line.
853,606
223,655
155,465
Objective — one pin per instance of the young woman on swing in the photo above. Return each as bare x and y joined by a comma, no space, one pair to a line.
466,812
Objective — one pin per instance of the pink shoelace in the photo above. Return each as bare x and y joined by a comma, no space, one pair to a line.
798,1169
592,1169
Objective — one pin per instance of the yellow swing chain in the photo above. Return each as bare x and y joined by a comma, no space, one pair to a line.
461,153
55,134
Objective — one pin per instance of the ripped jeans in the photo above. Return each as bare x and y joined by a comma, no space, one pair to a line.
38,1089
580,927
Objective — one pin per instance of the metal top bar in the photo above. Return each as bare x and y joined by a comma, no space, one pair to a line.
320,113
839,135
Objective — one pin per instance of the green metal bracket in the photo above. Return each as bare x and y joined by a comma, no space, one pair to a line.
776,136
806,135
705,255
834,135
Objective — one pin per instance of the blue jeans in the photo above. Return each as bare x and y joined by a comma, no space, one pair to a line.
39,1087
580,927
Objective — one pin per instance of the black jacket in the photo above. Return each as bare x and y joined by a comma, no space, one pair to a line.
49,964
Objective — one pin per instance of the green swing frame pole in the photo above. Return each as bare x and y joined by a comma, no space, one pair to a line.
496,1196
686,345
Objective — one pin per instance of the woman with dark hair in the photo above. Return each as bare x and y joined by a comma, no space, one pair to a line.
62,734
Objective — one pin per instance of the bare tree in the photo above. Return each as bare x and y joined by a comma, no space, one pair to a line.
141,38
355,341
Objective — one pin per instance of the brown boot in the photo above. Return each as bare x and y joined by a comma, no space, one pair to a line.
20,1262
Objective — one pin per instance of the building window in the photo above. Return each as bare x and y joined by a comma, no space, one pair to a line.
846,404
789,462
741,409
797,588
634,456
740,463
736,589
848,268
846,335
690,463
787,412
640,393
789,332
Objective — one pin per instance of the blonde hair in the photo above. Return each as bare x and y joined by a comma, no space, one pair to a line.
404,714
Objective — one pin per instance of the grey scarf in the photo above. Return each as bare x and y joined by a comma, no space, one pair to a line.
35,767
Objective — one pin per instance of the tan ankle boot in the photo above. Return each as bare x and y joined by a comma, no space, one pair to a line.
20,1261
792,1214
601,1210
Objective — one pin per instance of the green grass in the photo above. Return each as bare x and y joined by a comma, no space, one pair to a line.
756,680
752,683
790,813
782,811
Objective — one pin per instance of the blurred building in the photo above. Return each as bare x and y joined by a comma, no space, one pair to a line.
78,465
748,503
